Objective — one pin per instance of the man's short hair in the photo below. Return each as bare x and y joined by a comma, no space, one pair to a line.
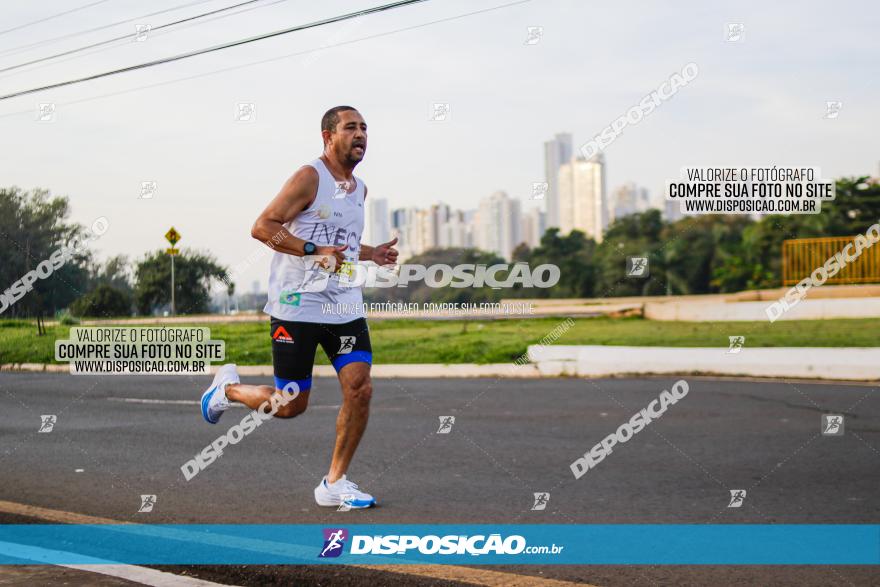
331,117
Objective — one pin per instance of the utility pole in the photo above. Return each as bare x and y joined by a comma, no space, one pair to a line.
172,236
172,284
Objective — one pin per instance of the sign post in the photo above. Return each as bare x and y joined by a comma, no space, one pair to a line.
172,236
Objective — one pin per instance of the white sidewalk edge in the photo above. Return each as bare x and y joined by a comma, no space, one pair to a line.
831,363
835,363
408,371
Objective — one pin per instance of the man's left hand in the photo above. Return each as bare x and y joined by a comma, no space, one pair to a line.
385,254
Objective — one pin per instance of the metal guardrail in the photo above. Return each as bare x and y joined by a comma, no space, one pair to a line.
801,256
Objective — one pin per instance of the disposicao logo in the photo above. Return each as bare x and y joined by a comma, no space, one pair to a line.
334,541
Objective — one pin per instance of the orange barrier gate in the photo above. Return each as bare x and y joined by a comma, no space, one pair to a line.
801,256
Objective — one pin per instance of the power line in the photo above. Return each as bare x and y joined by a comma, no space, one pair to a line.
21,48
153,33
123,37
71,11
350,15
279,58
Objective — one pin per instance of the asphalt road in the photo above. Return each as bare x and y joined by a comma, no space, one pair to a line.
117,437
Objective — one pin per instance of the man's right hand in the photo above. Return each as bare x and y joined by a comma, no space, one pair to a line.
331,258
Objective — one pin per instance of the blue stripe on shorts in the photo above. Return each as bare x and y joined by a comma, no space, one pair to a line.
302,384
353,357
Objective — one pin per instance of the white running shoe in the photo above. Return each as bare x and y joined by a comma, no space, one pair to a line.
214,400
342,492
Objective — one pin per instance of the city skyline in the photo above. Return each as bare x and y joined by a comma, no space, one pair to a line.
500,223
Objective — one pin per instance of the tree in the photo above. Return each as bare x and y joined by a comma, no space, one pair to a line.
855,207
103,301
193,272
635,235
574,255
521,253
694,248
33,226
730,271
115,272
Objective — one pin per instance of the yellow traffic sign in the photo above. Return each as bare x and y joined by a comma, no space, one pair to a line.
172,236
172,251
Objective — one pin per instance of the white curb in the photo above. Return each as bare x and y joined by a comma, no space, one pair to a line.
850,363
413,371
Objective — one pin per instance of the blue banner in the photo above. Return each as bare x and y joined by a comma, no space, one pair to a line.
615,544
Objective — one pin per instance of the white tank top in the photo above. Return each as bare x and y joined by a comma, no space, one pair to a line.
297,290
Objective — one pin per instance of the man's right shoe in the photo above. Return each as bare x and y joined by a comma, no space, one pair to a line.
214,400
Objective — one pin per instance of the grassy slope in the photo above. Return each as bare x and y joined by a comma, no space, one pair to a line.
499,341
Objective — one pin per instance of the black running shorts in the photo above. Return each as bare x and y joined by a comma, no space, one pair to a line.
294,345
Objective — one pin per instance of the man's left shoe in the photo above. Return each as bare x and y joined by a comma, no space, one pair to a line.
342,492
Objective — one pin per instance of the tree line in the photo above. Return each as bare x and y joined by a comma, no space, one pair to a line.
694,255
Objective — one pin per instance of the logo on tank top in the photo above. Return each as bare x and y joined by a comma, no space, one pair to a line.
281,335
325,211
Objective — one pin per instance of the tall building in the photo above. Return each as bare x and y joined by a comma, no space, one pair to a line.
672,211
377,224
469,217
436,218
583,204
419,230
629,199
532,227
456,231
498,224
408,225
556,152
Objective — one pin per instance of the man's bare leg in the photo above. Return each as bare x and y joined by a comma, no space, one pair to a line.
253,396
357,388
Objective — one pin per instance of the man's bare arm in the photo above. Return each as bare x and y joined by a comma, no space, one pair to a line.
295,196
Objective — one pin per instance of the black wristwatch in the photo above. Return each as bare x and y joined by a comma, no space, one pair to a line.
309,248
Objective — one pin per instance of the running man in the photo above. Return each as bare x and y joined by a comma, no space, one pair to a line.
314,226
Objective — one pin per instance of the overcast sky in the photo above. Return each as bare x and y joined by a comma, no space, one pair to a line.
759,101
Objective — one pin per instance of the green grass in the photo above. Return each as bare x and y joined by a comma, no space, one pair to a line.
491,341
